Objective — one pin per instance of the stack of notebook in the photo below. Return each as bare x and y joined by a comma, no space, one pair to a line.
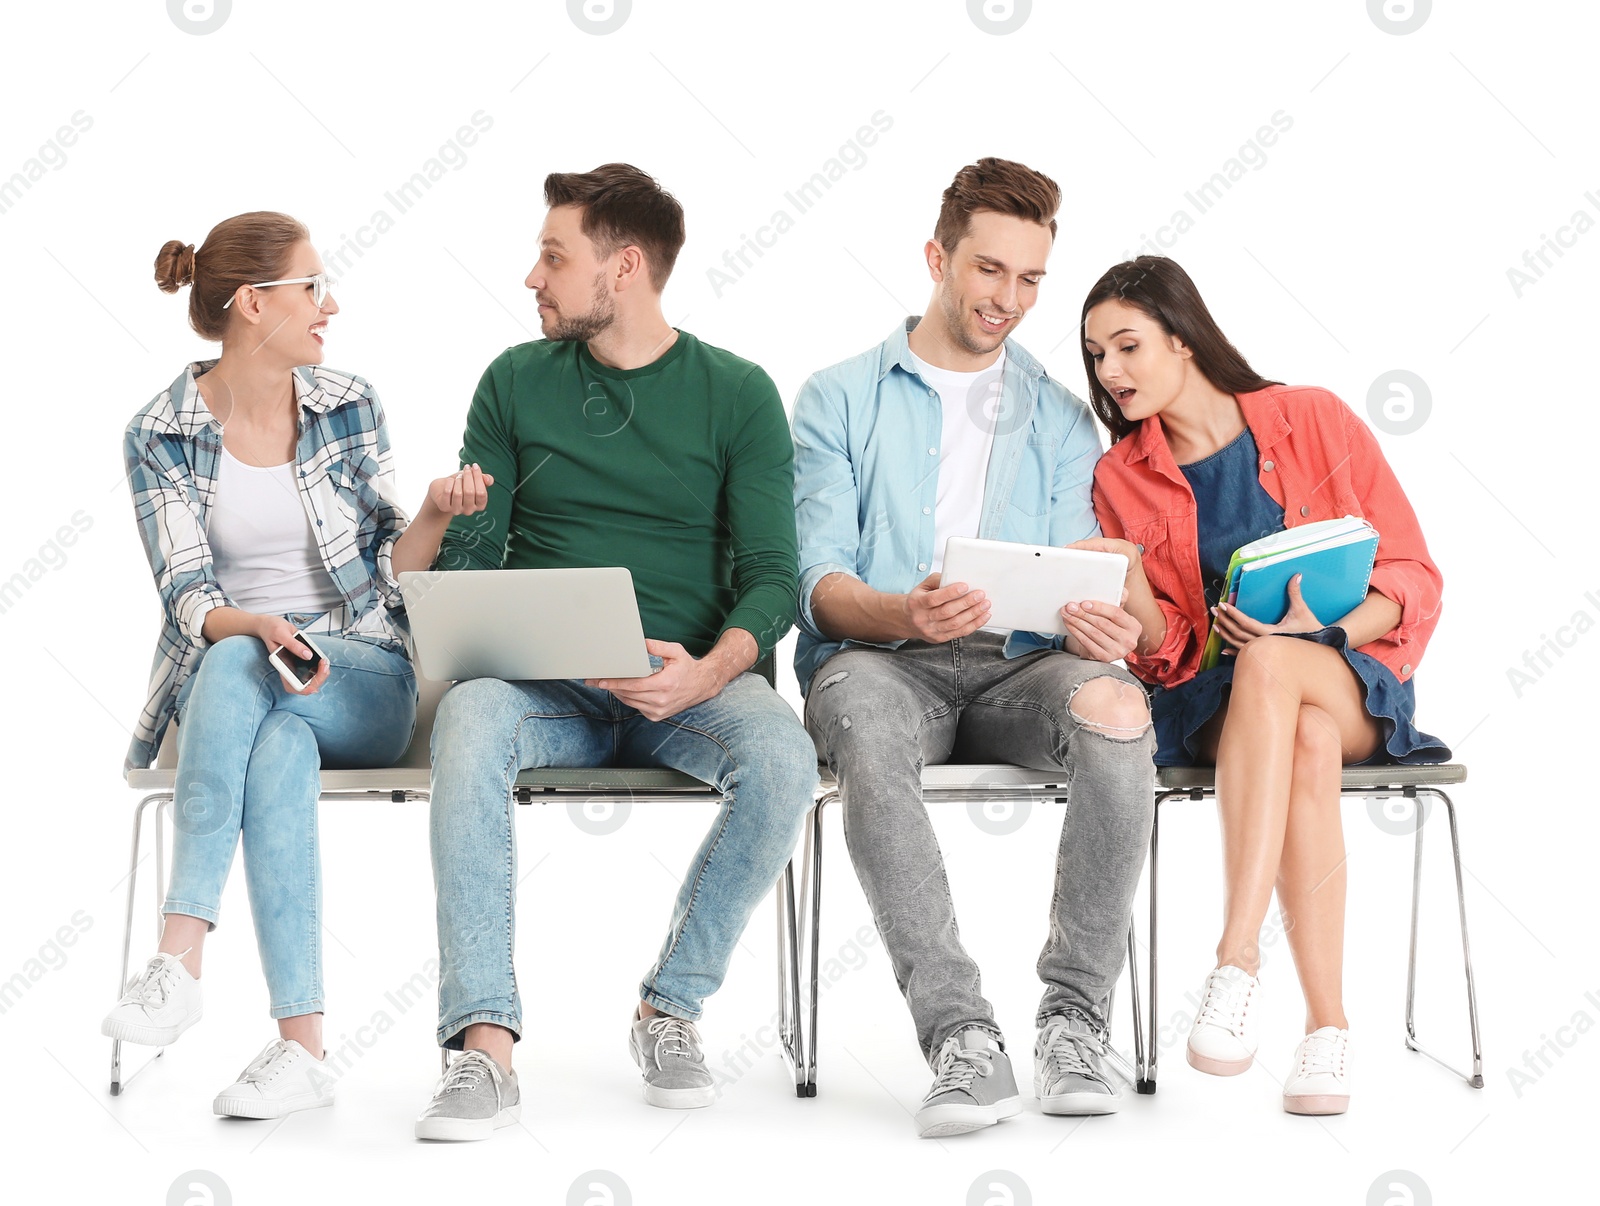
1334,555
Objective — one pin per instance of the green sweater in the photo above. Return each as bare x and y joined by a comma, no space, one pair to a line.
682,471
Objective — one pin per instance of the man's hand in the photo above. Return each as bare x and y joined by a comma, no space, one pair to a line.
1101,632
937,614
682,682
1238,629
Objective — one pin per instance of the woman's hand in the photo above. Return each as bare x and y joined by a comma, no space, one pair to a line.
465,492
1105,544
277,633
1238,629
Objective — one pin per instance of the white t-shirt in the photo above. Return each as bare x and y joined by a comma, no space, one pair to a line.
262,549
971,405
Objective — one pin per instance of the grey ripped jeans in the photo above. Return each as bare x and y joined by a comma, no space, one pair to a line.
878,716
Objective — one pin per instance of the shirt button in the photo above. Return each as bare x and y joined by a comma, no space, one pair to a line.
1141,550
927,510
922,565
933,452
1405,669
933,393
1267,465
302,473
1304,511
319,523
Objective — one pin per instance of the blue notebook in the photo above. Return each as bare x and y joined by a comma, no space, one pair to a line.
1334,555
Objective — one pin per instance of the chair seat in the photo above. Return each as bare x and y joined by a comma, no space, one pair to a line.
1178,778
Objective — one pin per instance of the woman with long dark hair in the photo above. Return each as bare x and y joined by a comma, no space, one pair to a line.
264,489
1207,456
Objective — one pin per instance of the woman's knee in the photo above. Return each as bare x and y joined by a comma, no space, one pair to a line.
233,657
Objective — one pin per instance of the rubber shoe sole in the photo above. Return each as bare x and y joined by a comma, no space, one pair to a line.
1076,1103
146,1036
1316,1103
256,1107
464,1130
1217,1067
937,1122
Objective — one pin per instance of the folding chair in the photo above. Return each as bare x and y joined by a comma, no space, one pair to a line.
409,780
1416,783
960,783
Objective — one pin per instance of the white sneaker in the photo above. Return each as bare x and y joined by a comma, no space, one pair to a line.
159,1004
284,1078
1223,1041
1319,1081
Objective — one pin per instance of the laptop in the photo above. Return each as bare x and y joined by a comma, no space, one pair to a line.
517,624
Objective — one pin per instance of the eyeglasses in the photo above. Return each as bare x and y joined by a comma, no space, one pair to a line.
320,284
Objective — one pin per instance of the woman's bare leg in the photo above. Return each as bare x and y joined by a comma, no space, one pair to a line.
1255,752
181,932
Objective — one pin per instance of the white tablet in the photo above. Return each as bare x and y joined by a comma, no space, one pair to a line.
1029,584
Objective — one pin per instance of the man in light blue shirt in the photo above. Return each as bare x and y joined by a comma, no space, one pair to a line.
950,428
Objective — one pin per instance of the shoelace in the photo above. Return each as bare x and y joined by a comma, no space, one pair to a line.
155,984
1320,1055
466,1073
958,1067
1064,1050
680,1033
1225,1004
261,1068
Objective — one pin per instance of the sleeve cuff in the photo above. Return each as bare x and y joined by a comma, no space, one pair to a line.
193,609
808,584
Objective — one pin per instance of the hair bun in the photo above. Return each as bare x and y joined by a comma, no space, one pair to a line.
174,266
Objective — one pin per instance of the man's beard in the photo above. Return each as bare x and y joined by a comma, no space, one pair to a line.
584,327
955,323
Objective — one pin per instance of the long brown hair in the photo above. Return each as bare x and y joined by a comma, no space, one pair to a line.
242,250
1161,290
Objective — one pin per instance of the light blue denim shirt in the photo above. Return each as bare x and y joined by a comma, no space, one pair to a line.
866,459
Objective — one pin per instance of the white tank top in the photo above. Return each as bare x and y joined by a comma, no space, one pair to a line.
262,549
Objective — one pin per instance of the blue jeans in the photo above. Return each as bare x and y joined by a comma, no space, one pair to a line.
249,753
746,742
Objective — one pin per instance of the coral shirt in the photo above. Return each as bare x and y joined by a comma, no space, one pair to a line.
1318,460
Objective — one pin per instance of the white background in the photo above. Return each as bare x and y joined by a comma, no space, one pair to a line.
1377,235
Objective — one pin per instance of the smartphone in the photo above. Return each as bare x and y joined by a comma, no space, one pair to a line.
297,670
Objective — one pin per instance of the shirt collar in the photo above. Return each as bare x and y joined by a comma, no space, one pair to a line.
896,350
193,416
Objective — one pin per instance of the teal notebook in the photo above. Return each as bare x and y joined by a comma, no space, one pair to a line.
1334,555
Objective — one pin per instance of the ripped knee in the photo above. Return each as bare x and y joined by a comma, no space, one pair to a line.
1110,707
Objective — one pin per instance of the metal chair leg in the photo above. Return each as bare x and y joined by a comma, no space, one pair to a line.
814,857
1146,1082
1476,1078
791,1032
161,799
1134,1002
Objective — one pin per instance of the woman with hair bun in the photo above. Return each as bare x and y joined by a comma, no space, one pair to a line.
264,491
1206,456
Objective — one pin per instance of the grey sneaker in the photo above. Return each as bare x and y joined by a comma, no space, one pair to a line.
667,1050
974,1087
474,1099
1070,1073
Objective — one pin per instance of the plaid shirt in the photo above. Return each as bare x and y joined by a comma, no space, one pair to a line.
346,476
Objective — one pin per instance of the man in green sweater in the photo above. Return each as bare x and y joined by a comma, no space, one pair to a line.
618,440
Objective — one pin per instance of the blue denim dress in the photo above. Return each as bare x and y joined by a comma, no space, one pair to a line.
1233,509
